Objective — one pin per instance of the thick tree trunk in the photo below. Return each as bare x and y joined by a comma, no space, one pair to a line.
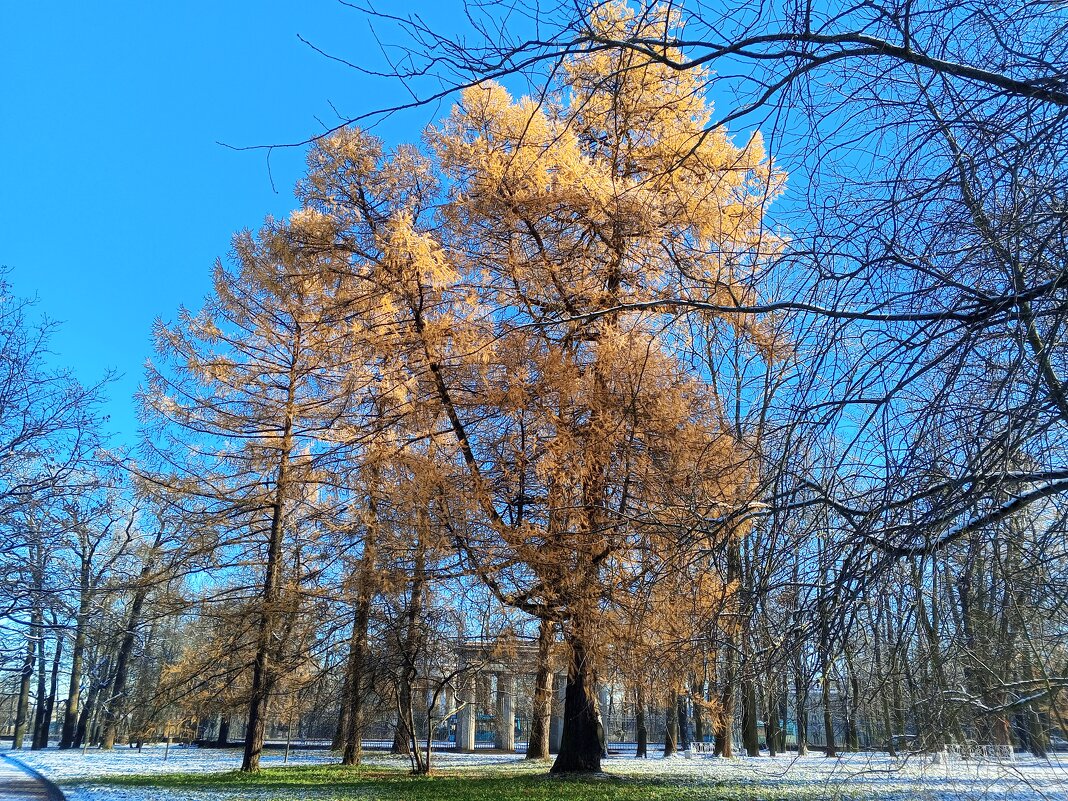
580,747
538,741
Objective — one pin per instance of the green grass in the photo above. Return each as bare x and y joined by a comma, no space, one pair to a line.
525,782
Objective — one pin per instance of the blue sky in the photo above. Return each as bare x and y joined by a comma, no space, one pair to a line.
115,199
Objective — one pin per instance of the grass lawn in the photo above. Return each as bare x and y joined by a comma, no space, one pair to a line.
524,782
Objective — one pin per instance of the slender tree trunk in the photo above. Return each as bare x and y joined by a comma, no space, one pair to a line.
724,725
684,722
224,730
580,747
74,691
89,707
538,741
41,702
828,717
671,726
642,733
404,736
852,702
772,727
801,707
358,645
113,707
750,735
263,672
698,707
22,707
40,739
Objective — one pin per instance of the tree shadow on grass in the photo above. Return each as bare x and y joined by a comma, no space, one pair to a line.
320,783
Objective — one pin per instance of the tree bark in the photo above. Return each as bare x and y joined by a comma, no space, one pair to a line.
358,645
750,735
22,707
224,730
44,722
642,733
404,736
772,727
828,718
74,691
684,721
538,741
801,706
114,706
580,747
671,726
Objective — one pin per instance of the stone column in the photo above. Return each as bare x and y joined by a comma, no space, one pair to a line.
556,717
465,719
506,711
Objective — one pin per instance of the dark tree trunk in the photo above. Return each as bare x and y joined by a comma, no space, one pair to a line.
42,680
801,708
74,691
684,722
538,741
113,708
89,707
352,735
22,707
40,737
642,733
698,719
263,677
771,698
341,731
750,735
404,739
224,730
828,719
671,726
580,746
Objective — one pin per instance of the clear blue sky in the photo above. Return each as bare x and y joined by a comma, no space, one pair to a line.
115,199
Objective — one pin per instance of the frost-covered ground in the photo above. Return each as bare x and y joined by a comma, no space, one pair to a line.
863,775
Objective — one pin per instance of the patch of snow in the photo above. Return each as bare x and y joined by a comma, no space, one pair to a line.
907,778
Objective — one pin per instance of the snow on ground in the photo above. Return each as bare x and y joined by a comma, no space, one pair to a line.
865,775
